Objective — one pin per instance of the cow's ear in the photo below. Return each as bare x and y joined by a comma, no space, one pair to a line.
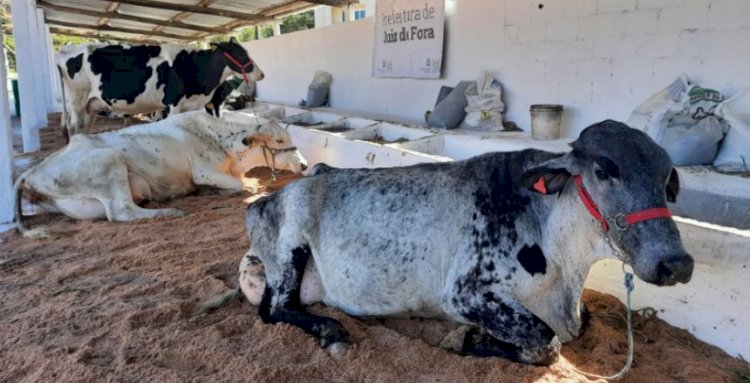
545,180
213,46
673,186
233,40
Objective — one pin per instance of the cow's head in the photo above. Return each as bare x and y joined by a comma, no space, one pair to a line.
628,179
238,60
272,146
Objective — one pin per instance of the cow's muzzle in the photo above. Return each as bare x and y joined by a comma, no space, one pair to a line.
674,269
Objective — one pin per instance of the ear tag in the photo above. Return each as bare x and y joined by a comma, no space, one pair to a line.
210,105
540,186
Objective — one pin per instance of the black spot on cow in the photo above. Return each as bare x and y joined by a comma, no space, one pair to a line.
199,73
532,259
220,95
124,70
74,64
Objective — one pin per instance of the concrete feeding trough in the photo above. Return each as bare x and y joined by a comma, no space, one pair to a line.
459,146
345,125
385,133
268,110
312,119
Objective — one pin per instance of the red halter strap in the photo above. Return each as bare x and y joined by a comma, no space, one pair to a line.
621,221
241,66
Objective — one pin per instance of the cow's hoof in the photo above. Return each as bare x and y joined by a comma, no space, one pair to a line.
338,350
543,356
229,192
585,317
454,341
176,213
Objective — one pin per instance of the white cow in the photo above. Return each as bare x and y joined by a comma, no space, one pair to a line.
108,174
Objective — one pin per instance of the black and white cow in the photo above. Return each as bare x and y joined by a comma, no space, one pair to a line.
132,79
502,241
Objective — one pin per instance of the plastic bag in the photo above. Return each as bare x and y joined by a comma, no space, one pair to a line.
449,111
734,154
317,92
485,106
681,119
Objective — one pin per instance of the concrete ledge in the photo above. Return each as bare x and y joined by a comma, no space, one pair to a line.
710,196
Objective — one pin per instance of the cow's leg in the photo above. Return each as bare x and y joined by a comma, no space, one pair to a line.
114,190
281,300
510,331
76,118
211,177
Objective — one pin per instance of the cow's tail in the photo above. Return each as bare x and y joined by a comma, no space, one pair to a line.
39,232
18,213
217,301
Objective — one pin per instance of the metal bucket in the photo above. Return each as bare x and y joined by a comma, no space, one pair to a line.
545,121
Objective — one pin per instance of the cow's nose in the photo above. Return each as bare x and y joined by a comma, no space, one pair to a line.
262,76
304,167
675,269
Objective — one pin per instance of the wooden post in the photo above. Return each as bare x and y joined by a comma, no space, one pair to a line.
6,148
22,13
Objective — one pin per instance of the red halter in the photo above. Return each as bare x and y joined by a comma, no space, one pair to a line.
241,66
621,221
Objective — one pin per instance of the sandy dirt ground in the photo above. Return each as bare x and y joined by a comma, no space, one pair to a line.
112,302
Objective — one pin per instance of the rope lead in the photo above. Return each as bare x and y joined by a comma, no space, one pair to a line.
629,287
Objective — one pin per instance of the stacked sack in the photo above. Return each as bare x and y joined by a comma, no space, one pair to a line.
697,126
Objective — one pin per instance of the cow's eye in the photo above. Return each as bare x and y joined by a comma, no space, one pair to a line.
601,174
279,141
604,168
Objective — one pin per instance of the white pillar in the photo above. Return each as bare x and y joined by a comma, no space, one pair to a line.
39,53
44,54
6,148
21,11
277,28
54,75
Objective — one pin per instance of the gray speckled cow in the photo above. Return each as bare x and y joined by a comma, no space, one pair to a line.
502,241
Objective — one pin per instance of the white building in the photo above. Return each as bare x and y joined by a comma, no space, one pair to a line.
325,15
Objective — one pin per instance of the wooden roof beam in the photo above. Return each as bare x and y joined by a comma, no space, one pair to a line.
110,9
292,6
333,3
120,16
101,36
199,9
107,28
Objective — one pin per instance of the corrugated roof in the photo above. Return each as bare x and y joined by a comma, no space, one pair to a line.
173,21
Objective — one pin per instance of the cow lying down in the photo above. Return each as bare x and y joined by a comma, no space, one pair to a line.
107,175
502,242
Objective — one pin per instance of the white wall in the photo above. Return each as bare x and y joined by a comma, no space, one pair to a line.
600,58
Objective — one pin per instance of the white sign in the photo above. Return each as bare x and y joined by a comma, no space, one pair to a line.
408,38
